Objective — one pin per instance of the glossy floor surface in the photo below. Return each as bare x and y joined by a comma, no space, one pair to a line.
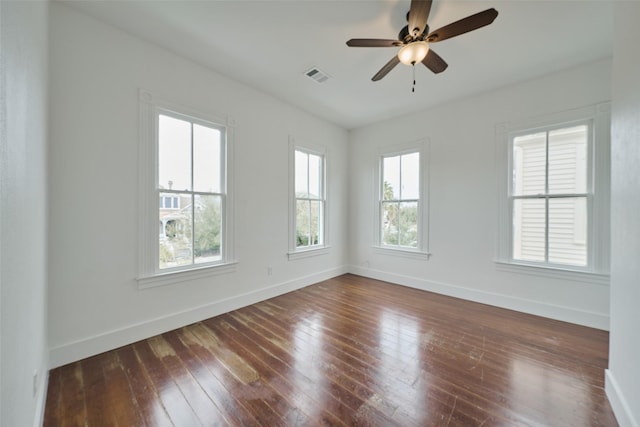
347,351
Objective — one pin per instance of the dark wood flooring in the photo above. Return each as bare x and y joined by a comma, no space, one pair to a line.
346,351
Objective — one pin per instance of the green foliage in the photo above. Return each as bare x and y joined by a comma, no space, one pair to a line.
176,247
399,220
307,222
207,227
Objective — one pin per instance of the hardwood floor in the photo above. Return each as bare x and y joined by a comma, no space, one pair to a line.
347,351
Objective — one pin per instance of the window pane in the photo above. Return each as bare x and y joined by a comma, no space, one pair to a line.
301,174
207,228
315,176
175,234
390,223
410,164
529,164
568,230
206,159
391,178
174,153
303,221
568,160
529,229
408,223
315,228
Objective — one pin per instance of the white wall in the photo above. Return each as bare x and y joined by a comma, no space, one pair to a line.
463,203
23,212
623,376
94,302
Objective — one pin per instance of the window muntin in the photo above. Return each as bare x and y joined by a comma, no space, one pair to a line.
400,200
309,184
550,196
191,171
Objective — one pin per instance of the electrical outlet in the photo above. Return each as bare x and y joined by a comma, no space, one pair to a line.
269,271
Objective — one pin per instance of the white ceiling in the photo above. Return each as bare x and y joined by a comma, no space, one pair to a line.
269,45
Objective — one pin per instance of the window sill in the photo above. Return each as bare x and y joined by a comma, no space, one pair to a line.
401,252
306,253
554,272
170,278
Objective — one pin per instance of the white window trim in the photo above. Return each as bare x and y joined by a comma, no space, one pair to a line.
149,274
422,251
597,270
294,252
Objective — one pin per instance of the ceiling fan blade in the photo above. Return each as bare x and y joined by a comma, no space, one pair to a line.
462,26
387,67
373,43
418,15
434,62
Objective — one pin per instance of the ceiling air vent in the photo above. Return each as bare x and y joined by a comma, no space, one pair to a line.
317,75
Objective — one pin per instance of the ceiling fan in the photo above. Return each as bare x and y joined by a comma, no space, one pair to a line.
415,37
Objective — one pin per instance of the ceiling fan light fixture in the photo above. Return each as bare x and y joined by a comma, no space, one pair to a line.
413,53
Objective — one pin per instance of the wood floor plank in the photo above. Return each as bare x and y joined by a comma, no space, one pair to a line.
117,397
169,394
303,396
332,366
346,351
94,384
232,410
206,347
142,389
199,401
397,379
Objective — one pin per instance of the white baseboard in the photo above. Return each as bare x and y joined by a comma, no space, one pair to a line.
77,350
566,314
619,404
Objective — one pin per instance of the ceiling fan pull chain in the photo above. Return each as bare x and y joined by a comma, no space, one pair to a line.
413,69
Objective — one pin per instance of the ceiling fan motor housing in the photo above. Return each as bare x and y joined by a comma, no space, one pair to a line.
406,37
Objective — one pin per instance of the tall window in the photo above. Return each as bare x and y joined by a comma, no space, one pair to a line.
309,199
554,202
550,195
186,211
400,200
191,176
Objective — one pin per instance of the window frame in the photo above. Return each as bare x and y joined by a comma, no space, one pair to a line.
597,118
149,272
421,252
296,252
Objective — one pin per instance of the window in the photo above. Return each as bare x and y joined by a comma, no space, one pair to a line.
400,210
549,196
169,202
400,199
308,201
184,189
190,170
556,193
